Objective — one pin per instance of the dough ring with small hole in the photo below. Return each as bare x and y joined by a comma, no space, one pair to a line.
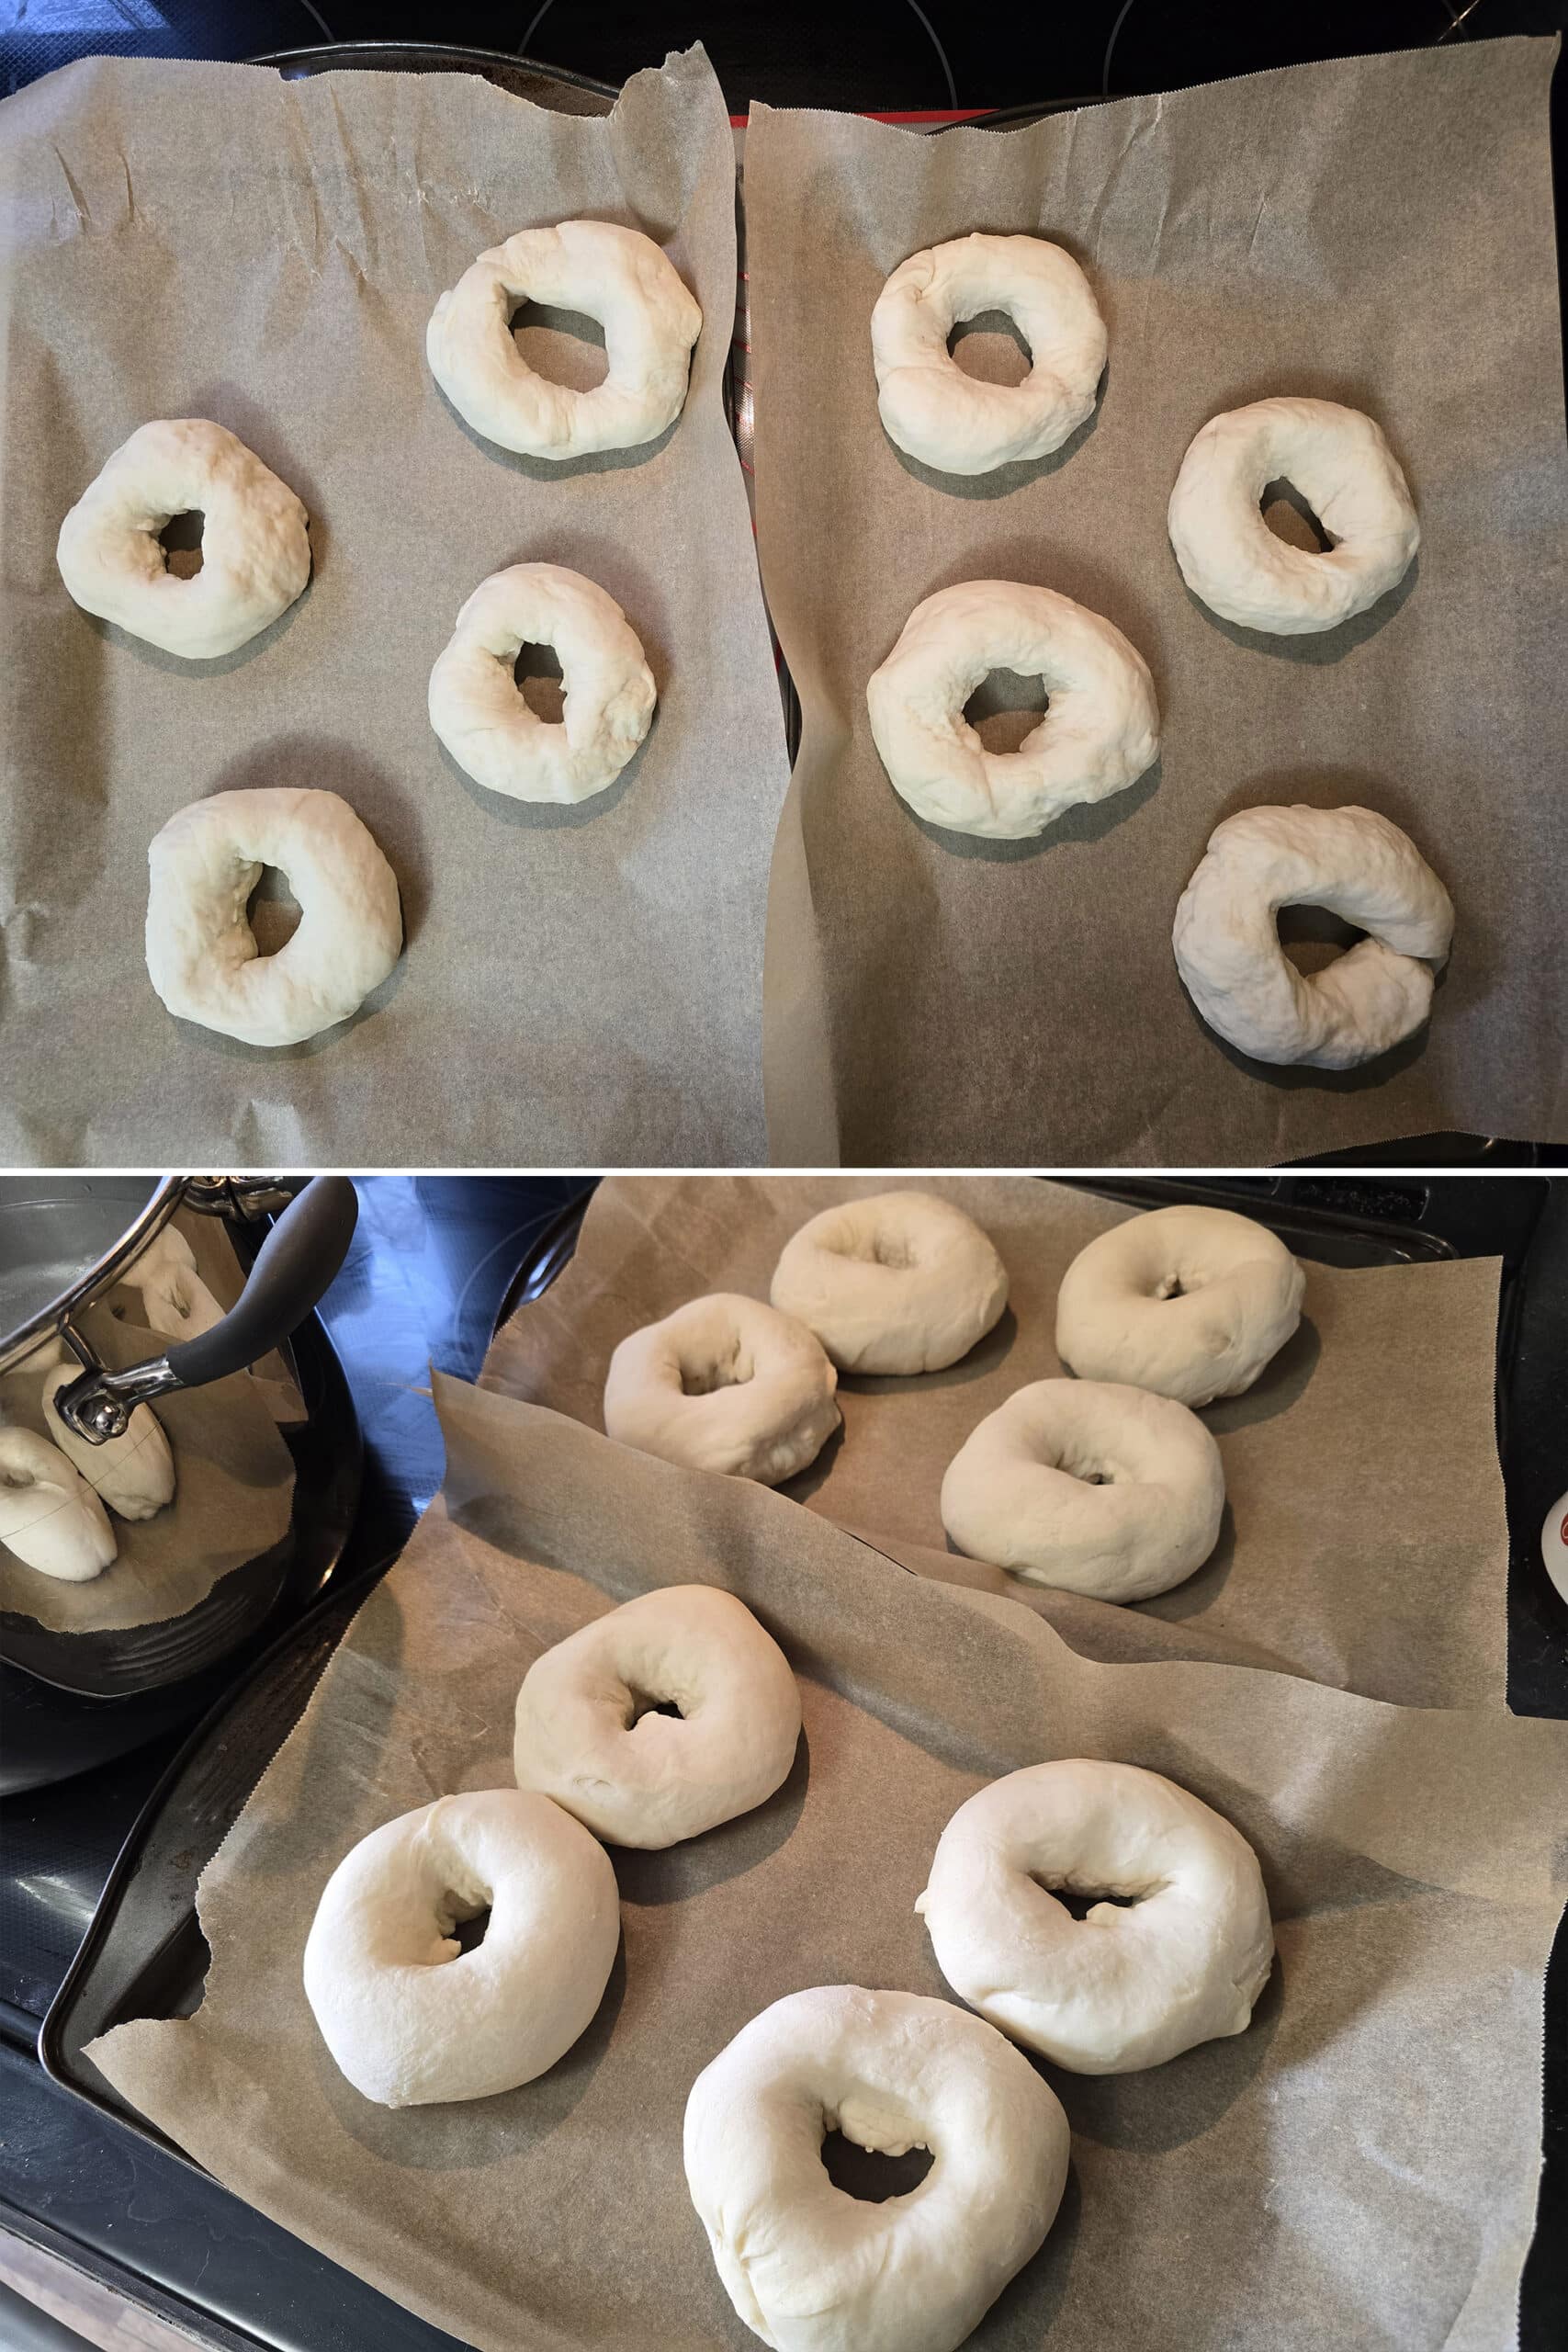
1098,735
202,957
255,555
134,1473
1089,1487
408,2015
1357,865
1180,1959
50,1517
1340,463
478,709
174,1299
589,1731
616,276
724,1384
935,411
896,1282
1189,1302
811,2269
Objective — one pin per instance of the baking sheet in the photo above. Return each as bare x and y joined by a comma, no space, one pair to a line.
579,985
1365,1541
1376,230
1358,2169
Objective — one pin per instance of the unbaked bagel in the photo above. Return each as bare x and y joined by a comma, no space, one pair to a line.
589,1731
898,1283
616,276
410,2017
1339,460
1179,1959
134,1473
1097,736
1359,867
724,1384
49,1516
931,409
1088,1486
174,1299
810,2270
1191,1302
255,554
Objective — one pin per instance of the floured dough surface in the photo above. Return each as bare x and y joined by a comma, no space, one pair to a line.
724,1384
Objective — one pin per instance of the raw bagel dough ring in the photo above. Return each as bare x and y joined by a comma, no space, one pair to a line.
811,2269
762,1404
201,952
1359,867
1020,1492
174,1299
1100,734
134,1473
410,2018
255,554
1123,1987
1339,460
897,1282
1189,1302
936,413
616,276
49,1517
478,709
646,1779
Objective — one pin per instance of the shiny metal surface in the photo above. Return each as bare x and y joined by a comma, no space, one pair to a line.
100,1404
64,1240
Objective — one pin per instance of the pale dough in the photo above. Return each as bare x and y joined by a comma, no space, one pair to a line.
409,2016
49,1517
931,409
811,2269
1351,861
174,1299
255,555
1131,1984
1097,736
898,1283
589,1733
616,276
134,1473
1191,1302
724,1384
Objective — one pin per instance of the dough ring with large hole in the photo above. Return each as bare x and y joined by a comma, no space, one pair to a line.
1357,865
894,1282
409,2016
255,555
134,1473
616,276
811,2269
589,1732
1088,1486
478,709
724,1384
50,1517
1097,736
936,413
1340,463
1179,1959
1186,1301
202,957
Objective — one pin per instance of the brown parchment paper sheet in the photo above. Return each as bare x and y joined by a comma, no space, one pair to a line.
1365,1541
233,1494
579,985
1358,2169
1377,232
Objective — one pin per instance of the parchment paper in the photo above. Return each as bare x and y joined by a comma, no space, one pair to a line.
1358,2169
1365,1541
578,986
218,1265
234,1494
1377,232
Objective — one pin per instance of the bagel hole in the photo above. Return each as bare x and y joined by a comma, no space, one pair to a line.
467,1934
1005,707
646,1702
990,347
1169,1287
1289,518
272,911
706,1379
180,539
565,346
879,1249
1311,937
867,2173
540,684
1081,1901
